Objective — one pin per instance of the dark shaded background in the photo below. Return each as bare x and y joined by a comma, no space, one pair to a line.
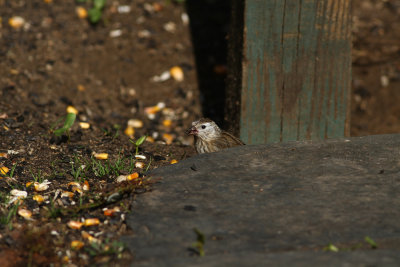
210,25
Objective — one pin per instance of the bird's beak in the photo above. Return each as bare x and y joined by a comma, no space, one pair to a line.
192,131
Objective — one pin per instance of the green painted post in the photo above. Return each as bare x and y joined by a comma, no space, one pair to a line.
295,70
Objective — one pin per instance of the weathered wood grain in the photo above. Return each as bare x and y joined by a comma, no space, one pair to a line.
296,70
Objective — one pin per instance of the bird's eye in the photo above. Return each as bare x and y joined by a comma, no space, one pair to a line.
203,126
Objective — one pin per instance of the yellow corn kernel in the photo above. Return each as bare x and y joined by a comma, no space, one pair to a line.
71,109
150,139
80,87
139,164
135,123
129,131
85,186
177,73
67,194
101,155
168,138
81,12
74,225
76,244
16,22
27,214
4,170
167,123
91,222
84,125
38,198
132,176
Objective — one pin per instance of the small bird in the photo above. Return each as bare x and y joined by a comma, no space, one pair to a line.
208,137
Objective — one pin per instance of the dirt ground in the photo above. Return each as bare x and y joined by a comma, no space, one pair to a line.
126,70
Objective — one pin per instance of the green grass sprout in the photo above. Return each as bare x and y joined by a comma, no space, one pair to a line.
96,11
199,244
69,121
371,242
331,247
138,143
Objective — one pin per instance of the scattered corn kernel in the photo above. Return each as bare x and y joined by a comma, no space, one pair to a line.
152,110
177,73
140,156
167,123
65,259
48,1
3,155
19,193
161,105
67,194
28,184
135,123
139,164
108,212
162,77
38,198
101,155
77,189
168,138
27,214
121,178
84,125
89,237
4,170
14,71
16,22
74,224
150,139
76,244
111,212
86,186
41,186
132,176
74,184
157,7
80,87
71,109
81,12
129,131
91,222
174,161
86,235
168,112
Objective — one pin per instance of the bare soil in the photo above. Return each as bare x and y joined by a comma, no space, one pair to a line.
106,70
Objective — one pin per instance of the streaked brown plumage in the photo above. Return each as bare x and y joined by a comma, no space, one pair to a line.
208,137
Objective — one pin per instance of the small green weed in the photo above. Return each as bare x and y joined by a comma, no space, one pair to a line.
7,218
106,248
371,242
69,121
138,143
38,177
331,247
96,11
77,169
199,244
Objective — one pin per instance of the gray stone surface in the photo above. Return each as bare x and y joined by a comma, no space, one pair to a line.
275,205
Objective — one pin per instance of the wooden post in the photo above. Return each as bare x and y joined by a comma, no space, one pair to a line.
295,70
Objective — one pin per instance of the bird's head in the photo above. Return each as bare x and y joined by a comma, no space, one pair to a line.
205,129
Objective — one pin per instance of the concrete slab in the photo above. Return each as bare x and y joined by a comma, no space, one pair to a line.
279,204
